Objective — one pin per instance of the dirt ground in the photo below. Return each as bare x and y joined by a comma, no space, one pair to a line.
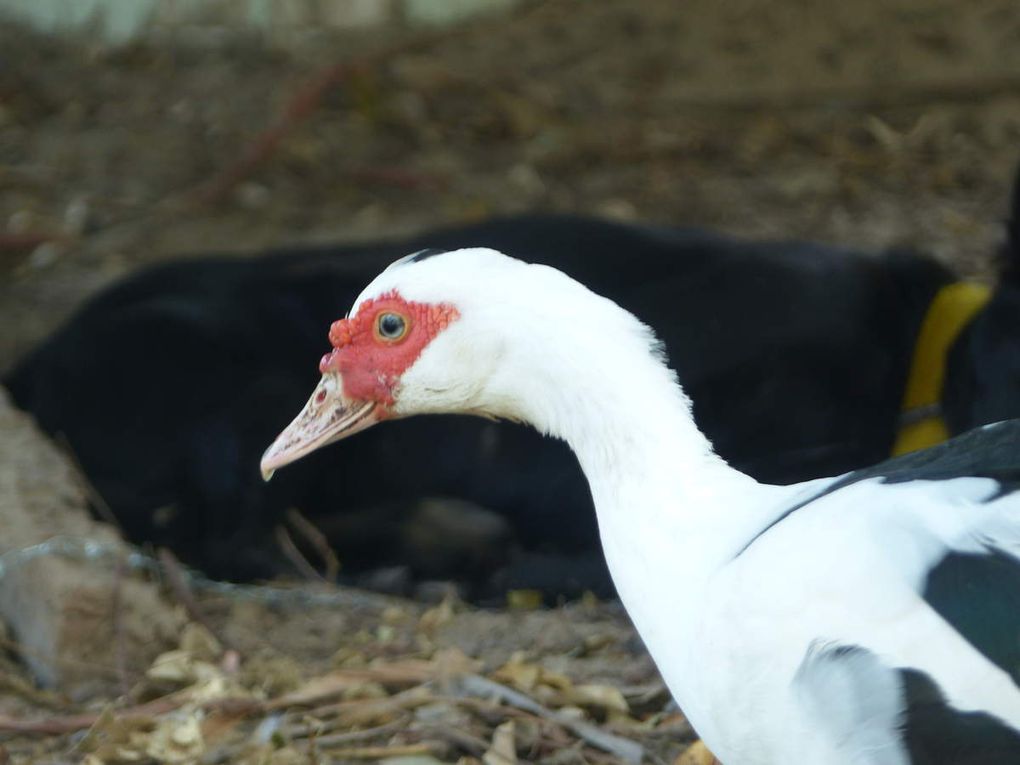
874,123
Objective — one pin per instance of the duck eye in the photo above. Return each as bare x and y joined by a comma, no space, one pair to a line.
391,326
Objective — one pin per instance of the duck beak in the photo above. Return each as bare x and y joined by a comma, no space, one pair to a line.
327,417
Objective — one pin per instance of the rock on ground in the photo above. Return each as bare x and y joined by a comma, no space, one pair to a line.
76,621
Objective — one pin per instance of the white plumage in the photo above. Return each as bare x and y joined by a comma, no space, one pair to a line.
859,619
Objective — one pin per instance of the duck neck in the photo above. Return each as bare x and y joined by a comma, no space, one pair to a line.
669,509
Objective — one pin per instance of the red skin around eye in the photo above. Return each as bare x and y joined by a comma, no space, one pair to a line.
369,365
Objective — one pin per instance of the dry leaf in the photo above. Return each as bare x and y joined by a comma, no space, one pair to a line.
363,679
199,680
271,674
696,754
200,643
451,663
370,712
526,676
394,615
589,599
318,690
177,738
367,690
524,600
114,740
600,696
173,666
436,617
572,713
221,724
504,746
522,676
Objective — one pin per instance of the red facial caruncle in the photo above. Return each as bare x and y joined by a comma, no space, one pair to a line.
373,348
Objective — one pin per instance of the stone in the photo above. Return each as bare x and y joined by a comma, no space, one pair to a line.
61,608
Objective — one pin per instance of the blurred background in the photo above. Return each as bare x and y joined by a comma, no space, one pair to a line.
138,131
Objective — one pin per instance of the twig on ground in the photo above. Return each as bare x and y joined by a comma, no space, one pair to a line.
228,752
319,690
294,555
29,241
459,738
349,737
12,684
119,635
377,752
627,750
52,726
369,711
314,536
178,582
399,177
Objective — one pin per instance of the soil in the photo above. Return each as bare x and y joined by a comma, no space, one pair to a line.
873,124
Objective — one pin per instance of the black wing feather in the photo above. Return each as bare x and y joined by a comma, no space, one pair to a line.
979,594
937,734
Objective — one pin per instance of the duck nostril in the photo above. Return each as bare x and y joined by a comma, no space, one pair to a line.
320,397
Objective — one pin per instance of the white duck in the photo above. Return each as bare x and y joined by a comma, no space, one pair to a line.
869,618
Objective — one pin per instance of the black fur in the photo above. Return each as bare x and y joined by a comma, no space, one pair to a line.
169,385
936,733
983,372
979,594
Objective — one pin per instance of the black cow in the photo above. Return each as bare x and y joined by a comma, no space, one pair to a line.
169,385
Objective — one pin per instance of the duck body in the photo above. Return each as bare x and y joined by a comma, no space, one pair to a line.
792,624
865,618
818,629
